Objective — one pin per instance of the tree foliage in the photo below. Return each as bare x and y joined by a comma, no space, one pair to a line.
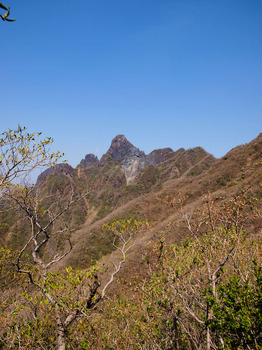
207,290
201,293
22,152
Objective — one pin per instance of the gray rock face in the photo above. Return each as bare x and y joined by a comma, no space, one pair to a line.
132,159
132,167
90,159
121,149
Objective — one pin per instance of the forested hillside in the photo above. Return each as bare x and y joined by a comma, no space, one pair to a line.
133,251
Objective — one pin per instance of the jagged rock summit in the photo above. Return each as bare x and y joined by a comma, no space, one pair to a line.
131,158
90,159
121,149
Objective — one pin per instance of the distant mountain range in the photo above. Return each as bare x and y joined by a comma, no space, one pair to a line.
131,158
126,182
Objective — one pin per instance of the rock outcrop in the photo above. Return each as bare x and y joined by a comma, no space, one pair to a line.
90,159
122,149
131,158
159,155
58,169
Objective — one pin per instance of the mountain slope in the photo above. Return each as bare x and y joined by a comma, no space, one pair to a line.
192,174
128,183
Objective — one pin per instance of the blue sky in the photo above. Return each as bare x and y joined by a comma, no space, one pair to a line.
165,73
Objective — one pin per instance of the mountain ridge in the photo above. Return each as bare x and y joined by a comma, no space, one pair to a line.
107,194
239,170
132,159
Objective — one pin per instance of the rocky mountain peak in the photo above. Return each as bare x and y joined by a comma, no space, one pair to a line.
121,149
90,159
131,158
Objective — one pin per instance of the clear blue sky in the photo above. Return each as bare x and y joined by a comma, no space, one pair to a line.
165,73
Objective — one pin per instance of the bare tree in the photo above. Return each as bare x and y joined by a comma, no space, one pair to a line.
192,272
73,294
21,153
69,294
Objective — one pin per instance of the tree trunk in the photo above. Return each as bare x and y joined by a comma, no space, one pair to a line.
61,344
208,329
208,339
61,341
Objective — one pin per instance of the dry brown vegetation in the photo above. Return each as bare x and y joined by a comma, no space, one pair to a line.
170,197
